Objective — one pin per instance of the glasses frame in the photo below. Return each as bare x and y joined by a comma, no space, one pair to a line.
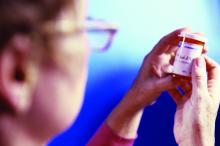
99,26
68,27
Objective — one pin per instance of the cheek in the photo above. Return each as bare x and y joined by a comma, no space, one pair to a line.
56,102
58,94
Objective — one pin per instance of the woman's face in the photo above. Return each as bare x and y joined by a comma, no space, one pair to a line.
58,94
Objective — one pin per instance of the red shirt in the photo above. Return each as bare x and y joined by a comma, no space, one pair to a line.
106,137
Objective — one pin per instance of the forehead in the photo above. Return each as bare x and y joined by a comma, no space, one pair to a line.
78,8
81,8
72,16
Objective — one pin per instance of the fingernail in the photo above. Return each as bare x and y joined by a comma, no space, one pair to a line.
200,62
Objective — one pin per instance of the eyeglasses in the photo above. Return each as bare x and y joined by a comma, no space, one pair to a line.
100,33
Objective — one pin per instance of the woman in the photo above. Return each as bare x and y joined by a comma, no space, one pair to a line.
43,69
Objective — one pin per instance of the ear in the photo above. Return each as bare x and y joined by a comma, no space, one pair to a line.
14,89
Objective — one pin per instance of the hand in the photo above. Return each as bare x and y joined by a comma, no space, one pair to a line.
154,75
197,109
153,78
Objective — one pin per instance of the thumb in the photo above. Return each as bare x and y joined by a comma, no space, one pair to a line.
199,76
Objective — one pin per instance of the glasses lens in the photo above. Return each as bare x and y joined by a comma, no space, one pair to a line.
100,34
99,41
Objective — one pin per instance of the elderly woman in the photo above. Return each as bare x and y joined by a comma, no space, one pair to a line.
43,69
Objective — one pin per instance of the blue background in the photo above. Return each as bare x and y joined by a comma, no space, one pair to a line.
141,24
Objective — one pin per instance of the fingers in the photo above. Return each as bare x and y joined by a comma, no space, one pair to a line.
186,87
199,77
167,43
171,38
204,50
166,83
213,68
170,82
181,93
167,68
176,95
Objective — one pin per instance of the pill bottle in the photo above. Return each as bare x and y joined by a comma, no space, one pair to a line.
190,46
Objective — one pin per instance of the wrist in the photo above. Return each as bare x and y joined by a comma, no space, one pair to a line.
124,120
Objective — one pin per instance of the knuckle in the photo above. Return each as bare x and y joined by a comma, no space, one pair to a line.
163,40
199,77
147,59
